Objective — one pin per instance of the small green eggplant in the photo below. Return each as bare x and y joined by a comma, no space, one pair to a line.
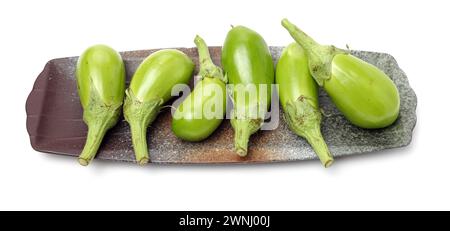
100,75
299,98
248,65
364,94
150,88
199,115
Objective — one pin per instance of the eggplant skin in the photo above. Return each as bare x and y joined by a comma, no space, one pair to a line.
246,58
184,123
293,76
366,96
159,72
101,69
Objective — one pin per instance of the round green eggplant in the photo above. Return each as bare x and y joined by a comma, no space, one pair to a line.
150,88
364,94
100,75
248,65
199,115
298,93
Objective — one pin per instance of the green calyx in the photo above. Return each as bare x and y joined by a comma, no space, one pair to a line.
243,129
320,57
304,119
140,115
100,118
207,67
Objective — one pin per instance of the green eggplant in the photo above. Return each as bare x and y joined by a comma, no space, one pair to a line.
150,88
299,98
248,65
100,75
199,115
364,94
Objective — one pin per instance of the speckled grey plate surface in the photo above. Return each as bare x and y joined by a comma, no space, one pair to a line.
55,125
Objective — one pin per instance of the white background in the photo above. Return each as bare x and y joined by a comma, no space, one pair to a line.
416,33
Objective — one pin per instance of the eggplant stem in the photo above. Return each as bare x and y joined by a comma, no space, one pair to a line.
139,139
320,57
243,129
207,67
299,36
99,119
315,139
140,115
96,131
241,137
304,120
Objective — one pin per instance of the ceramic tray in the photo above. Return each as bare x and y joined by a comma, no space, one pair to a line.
55,125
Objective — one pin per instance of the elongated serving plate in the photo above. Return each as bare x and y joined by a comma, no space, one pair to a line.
55,125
